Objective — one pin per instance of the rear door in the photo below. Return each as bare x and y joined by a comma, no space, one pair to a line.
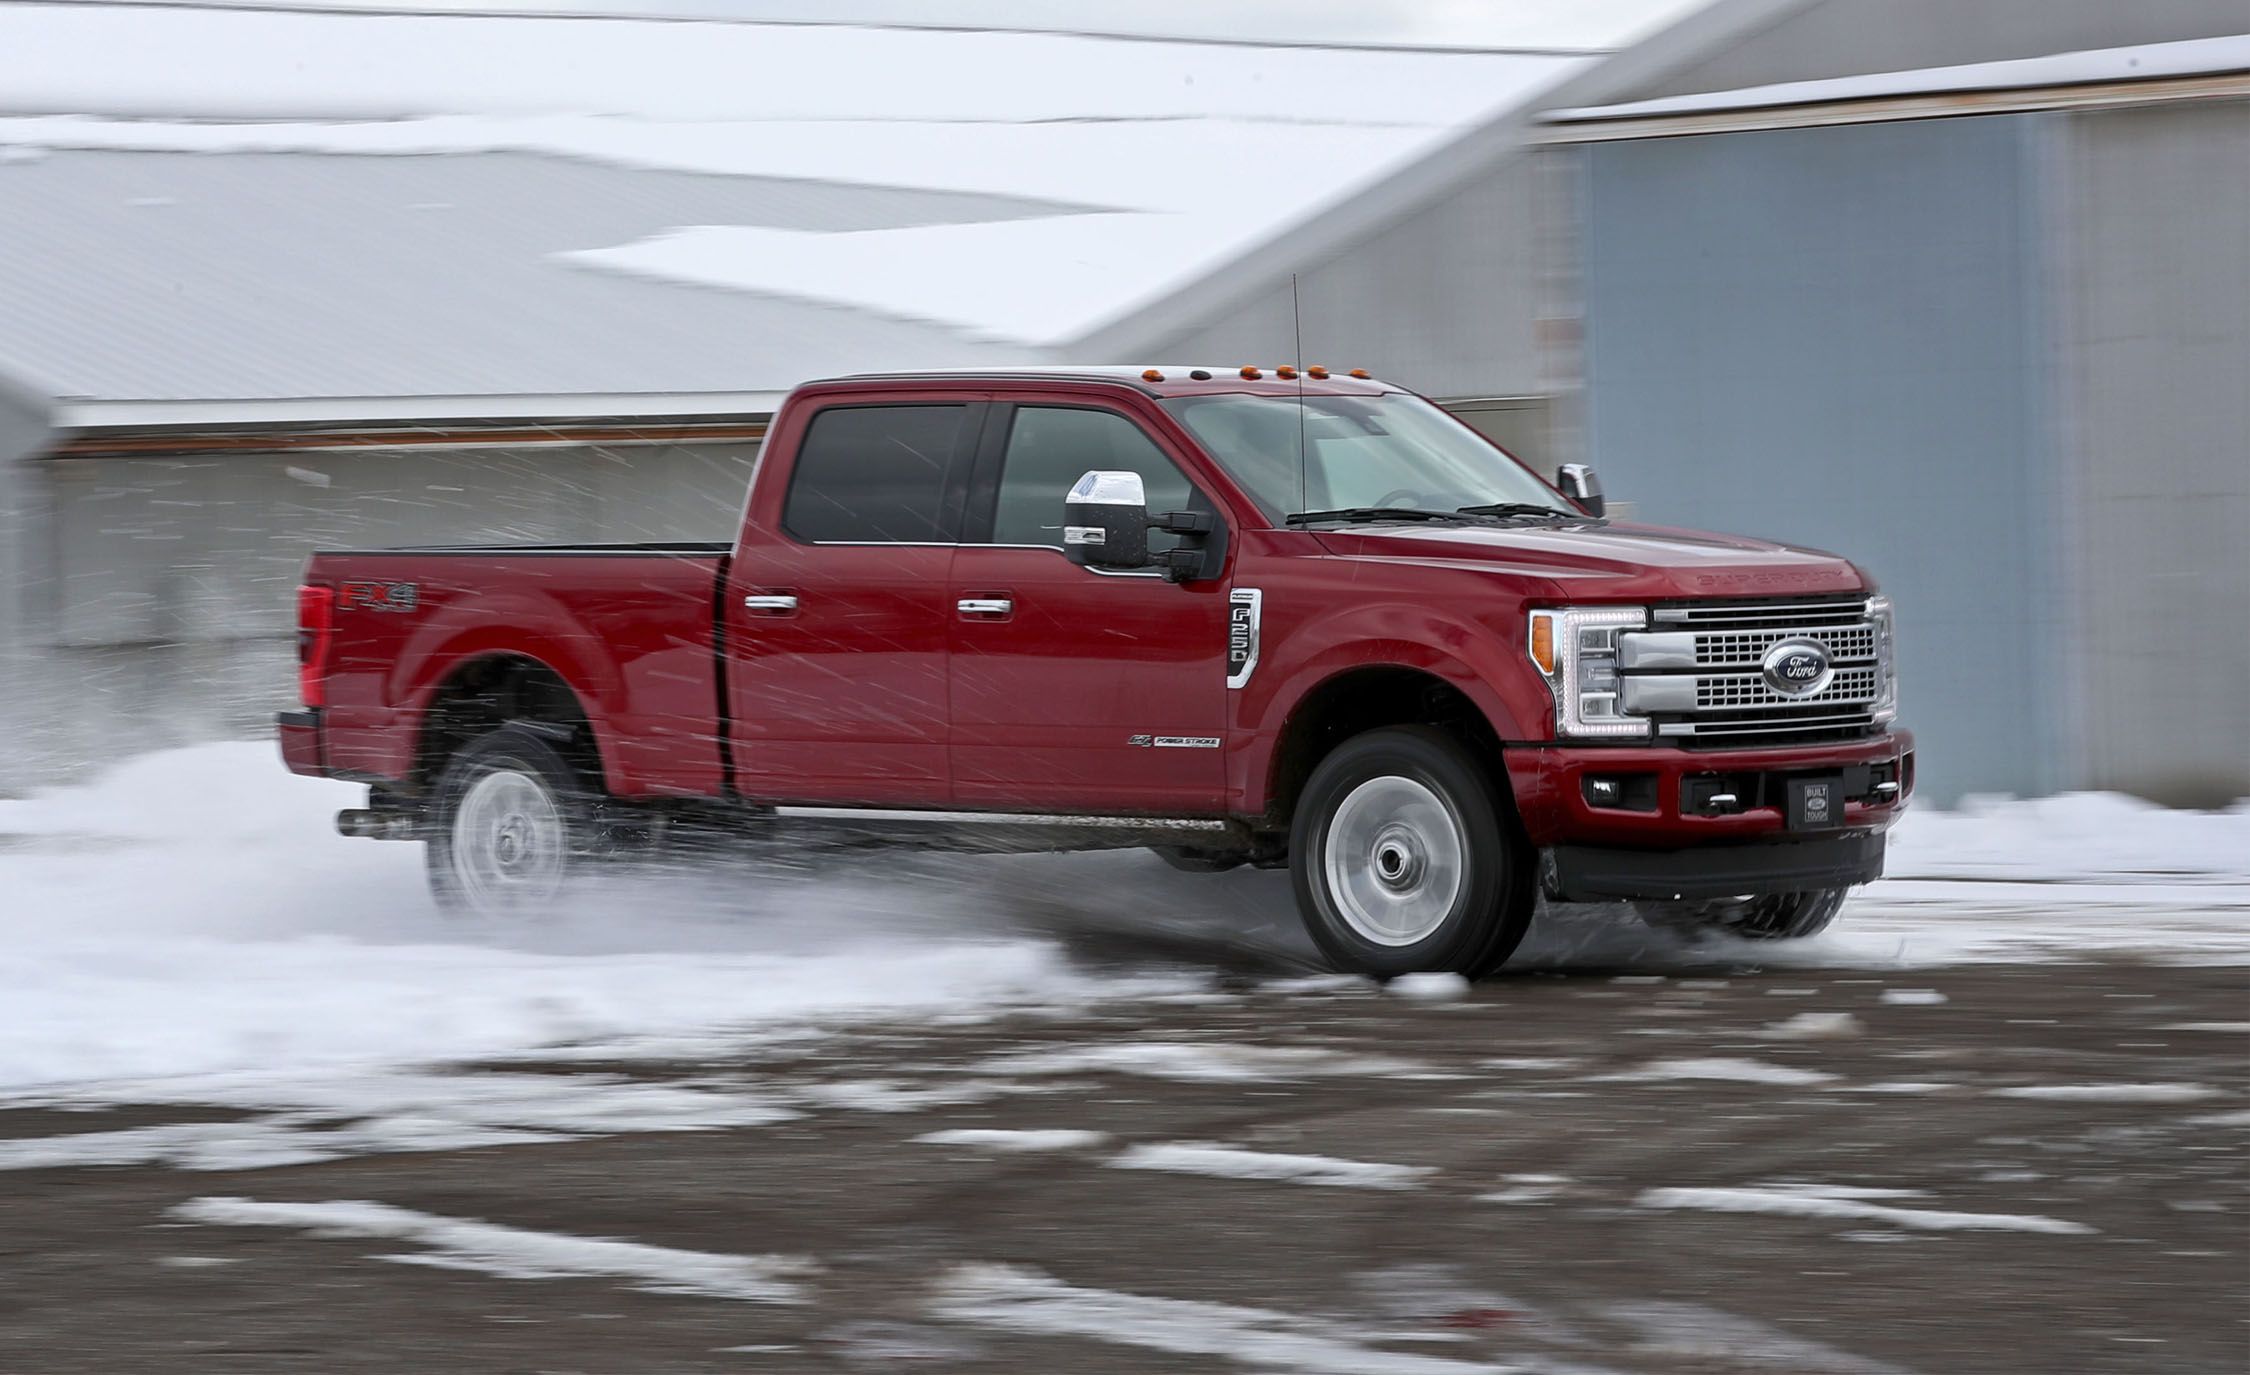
1074,690
837,610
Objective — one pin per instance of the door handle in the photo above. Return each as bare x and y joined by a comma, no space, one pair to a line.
984,606
774,603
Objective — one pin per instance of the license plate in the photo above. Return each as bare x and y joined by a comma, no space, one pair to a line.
1816,804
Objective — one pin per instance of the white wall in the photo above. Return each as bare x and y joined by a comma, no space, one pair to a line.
2154,314
158,593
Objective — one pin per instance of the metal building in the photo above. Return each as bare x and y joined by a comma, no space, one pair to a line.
1958,287
1986,327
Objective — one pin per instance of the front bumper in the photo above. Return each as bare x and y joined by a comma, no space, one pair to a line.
1591,873
299,734
1549,784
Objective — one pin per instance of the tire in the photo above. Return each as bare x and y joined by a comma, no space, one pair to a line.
1405,859
1191,861
510,825
1767,917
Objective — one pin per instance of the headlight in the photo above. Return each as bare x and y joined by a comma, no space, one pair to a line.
1885,708
1575,650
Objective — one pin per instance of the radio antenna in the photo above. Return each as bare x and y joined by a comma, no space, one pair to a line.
1297,328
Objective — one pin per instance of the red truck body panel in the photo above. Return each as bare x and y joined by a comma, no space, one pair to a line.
1007,677
631,632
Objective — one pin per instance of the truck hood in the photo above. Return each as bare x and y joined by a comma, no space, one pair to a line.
1612,561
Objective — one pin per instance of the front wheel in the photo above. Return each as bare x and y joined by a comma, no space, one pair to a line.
511,823
1406,860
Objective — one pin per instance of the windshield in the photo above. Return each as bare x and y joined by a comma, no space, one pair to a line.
1392,451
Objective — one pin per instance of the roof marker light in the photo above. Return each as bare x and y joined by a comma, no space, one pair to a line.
1285,372
1317,373
1251,373
1201,375
1362,374
1151,375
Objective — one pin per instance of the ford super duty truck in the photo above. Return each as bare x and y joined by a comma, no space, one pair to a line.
1239,617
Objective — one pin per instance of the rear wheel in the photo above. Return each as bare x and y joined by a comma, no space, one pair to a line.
511,823
1406,860
1766,917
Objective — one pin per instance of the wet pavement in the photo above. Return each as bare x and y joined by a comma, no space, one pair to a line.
1693,1164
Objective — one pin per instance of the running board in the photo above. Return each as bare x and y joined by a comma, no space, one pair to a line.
1004,832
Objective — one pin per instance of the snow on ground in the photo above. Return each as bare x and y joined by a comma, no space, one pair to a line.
1012,1299
2110,1093
193,913
520,1254
1234,1162
1016,1138
1729,1070
1192,1063
1841,1202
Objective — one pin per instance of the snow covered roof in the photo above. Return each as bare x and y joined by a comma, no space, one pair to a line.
2143,62
201,204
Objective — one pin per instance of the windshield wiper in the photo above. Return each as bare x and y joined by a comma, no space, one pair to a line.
1369,513
1518,508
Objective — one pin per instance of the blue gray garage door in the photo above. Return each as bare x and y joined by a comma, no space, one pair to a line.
1832,337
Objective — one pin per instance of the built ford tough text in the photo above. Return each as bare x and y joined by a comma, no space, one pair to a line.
1237,616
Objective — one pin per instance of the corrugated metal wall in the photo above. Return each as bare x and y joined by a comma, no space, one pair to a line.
1834,337
2155,328
159,606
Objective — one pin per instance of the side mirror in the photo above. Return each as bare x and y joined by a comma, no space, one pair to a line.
1105,521
1579,482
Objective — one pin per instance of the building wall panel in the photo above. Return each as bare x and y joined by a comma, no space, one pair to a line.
1832,337
160,606
2156,354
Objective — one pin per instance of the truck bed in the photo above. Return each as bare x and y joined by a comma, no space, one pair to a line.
631,626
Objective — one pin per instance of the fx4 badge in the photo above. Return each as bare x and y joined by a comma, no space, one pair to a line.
379,596
1244,607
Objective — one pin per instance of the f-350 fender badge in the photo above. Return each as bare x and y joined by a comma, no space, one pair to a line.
1245,606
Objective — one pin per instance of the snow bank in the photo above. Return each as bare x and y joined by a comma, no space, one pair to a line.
192,912
2073,838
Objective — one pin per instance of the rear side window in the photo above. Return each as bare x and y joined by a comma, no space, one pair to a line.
1051,447
874,475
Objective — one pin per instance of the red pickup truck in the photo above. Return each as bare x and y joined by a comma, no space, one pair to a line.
1240,617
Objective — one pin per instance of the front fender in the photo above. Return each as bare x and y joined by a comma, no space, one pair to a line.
1476,657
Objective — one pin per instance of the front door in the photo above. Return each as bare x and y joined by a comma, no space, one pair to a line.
836,612
1073,690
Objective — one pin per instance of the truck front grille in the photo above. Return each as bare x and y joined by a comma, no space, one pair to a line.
1697,672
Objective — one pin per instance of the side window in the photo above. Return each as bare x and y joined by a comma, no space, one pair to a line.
874,474
1050,447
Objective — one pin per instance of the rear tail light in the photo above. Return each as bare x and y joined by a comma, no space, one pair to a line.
316,632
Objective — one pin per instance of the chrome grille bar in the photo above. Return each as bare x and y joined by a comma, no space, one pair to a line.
1698,670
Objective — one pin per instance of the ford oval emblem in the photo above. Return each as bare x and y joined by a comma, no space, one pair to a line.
1798,668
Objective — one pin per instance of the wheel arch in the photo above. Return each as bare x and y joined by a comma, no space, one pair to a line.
488,689
1366,697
